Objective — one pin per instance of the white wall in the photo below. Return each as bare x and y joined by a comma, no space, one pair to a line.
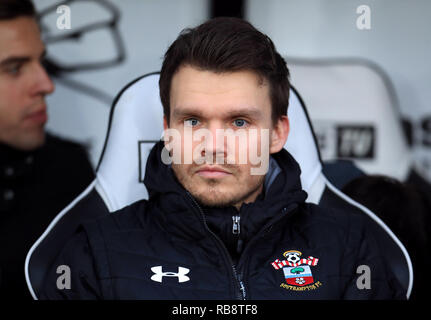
147,28
399,41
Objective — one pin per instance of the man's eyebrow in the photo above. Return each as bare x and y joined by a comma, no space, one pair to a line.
20,59
13,60
184,112
251,112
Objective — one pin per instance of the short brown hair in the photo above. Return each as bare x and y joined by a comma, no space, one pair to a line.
227,45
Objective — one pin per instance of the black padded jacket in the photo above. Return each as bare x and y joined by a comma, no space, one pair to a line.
172,247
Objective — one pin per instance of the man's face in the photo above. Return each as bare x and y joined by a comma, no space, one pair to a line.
23,84
212,102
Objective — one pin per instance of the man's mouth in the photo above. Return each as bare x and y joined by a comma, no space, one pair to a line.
212,172
39,116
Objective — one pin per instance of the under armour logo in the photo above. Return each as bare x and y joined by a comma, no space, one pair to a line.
159,274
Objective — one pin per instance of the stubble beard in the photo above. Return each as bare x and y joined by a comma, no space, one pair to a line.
209,192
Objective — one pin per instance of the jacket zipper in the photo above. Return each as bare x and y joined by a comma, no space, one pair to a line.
238,279
236,227
241,294
241,283
265,229
236,230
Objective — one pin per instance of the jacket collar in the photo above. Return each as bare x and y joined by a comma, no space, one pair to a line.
282,189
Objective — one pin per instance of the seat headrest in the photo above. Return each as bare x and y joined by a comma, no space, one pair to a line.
136,123
355,114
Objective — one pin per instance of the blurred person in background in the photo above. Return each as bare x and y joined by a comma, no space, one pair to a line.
39,173
404,208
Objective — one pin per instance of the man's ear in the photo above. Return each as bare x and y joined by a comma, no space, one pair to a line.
165,128
279,135
165,123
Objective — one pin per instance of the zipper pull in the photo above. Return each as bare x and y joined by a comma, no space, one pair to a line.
236,229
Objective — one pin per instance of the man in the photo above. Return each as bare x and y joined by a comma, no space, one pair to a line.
217,227
39,174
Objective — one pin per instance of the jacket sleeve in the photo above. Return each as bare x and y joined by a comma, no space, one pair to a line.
83,284
365,265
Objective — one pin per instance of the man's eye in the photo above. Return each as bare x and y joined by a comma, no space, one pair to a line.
13,69
240,123
192,122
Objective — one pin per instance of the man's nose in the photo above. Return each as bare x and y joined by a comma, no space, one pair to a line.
43,83
214,141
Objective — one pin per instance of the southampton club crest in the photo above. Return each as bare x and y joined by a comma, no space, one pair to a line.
297,271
